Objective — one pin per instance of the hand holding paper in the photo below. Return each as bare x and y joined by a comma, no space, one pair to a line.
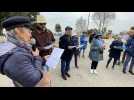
54,58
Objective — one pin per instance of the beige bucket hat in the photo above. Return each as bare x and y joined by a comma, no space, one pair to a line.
40,19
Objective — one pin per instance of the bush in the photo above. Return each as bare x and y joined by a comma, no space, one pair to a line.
1,34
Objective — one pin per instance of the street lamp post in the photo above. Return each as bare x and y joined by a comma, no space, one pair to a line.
88,20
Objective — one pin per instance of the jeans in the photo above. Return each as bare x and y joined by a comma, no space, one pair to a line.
81,51
123,57
65,66
127,60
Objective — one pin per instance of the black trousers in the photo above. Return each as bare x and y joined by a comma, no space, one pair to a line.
94,64
115,61
75,60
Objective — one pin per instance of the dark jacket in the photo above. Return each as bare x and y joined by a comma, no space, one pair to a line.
64,42
115,49
130,46
91,37
75,42
23,67
43,39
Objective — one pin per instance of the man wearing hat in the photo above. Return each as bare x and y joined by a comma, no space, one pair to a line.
44,37
65,43
19,62
129,52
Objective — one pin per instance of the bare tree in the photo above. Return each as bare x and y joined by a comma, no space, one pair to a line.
81,25
103,19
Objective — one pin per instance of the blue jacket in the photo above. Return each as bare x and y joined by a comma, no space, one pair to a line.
96,52
130,46
83,40
23,67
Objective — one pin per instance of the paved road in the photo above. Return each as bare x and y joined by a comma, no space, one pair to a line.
83,78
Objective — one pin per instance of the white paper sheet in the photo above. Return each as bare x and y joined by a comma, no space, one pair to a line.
54,58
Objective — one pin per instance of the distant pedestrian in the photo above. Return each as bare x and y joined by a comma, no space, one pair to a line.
115,50
129,52
83,42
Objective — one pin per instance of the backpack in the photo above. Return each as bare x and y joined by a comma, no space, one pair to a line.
3,60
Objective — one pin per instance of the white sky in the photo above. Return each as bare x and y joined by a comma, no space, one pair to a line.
123,20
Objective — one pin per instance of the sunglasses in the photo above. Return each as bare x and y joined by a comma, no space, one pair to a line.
42,23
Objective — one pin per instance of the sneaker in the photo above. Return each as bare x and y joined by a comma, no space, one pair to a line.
91,71
63,77
124,71
106,66
68,75
77,67
95,72
131,72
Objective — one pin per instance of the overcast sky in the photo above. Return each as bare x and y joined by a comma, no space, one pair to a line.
123,20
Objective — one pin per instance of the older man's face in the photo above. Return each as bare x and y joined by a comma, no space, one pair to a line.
24,34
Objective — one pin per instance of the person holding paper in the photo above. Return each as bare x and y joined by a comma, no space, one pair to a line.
65,43
44,37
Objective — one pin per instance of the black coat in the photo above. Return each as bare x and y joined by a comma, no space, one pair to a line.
116,52
64,42
75,42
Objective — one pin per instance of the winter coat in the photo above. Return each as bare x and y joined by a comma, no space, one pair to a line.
22,66
115,49
130,47
43,38
96,52
75,42
64,42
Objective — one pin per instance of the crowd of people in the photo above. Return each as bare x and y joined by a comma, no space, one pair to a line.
23,56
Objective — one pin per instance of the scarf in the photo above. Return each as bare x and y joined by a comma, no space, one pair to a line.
11,37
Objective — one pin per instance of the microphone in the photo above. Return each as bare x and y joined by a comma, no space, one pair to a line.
33,43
